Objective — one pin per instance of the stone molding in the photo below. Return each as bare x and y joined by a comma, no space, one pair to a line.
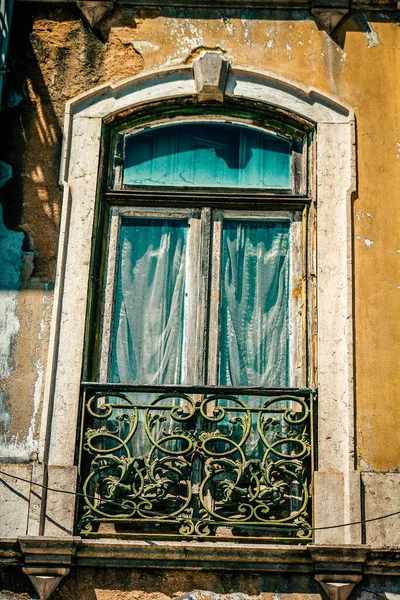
326,562
48,551
42,552
10,552
346,560
47,561
336,568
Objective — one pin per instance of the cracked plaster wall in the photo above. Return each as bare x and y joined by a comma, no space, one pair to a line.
55,56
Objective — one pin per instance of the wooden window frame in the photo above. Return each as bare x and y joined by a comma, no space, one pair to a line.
118,199
202,318
299,156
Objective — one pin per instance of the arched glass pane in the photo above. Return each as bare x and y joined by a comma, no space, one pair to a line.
208,154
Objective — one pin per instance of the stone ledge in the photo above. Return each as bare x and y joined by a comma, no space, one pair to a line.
339,559
49,551
74,551
383,562
195,555
10,552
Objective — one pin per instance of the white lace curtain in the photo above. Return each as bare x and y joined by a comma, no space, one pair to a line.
150,299
254,318
150,303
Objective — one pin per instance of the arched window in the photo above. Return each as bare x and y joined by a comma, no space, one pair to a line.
171,459
214,261
200,421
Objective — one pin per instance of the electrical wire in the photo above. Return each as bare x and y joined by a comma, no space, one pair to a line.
120,505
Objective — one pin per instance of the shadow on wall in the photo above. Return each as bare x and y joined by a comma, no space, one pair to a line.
30,196
11,257
31,144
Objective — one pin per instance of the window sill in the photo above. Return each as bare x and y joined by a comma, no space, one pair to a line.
313,558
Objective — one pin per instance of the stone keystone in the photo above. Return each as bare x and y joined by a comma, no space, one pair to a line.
210,74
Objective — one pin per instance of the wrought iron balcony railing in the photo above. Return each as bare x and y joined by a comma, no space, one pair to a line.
205,462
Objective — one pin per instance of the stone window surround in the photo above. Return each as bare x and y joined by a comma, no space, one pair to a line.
337,483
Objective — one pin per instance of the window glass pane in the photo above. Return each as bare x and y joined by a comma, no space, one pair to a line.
150,301
254,319
207,154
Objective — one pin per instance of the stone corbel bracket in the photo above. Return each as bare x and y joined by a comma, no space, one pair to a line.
338,569
210,72
93,11
47,561
329,13
338,587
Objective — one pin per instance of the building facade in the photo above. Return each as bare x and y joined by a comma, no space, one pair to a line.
199,294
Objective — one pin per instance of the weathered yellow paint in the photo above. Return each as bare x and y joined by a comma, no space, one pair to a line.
359,67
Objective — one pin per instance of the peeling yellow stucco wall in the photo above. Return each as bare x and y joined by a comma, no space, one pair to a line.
61,57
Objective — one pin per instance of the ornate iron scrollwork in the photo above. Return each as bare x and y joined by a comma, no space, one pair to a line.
197,463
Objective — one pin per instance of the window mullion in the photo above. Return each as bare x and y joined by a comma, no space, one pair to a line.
197,274
215,296
110,276
203,269
296,303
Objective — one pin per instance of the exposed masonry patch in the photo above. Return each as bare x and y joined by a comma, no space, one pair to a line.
365,465
360,216
392,285
366,241
187,36
366,29
342,53
143,46
13,271
14,447
30,442
10,282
